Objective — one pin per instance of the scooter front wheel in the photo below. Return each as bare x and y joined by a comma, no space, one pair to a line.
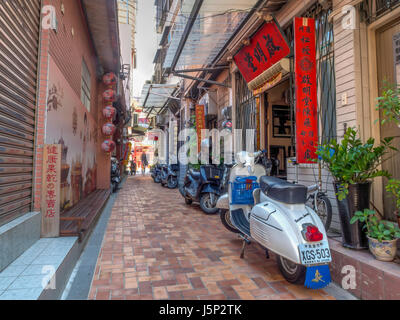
208,203
225,216
172,182
292,272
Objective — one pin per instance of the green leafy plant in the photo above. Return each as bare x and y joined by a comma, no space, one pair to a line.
376,229
351,161
393,187
389,104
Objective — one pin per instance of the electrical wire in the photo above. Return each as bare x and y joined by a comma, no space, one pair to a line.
188,18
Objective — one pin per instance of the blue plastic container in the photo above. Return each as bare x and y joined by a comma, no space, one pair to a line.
242,190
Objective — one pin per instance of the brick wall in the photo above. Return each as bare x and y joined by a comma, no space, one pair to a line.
70,43
66,46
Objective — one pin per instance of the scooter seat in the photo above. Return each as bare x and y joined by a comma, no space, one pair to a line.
283,191
195,174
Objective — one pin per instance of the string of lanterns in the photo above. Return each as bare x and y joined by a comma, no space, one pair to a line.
109,112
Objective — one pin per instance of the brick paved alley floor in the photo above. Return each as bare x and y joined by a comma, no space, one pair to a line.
156,247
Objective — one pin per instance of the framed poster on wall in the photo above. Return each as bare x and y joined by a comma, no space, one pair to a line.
281,122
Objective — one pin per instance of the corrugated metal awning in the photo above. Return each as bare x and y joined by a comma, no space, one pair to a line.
213,27
155,97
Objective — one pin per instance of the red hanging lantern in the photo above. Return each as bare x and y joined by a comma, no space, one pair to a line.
109,79
109,112
109,129
109,95
108,146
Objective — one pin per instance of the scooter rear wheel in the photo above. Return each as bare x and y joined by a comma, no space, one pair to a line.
188,201
292,272
225,216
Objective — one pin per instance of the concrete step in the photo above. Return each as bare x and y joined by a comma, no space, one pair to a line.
47,262
18,236
373,279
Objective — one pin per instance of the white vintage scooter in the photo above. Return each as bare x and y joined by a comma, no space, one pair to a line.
273,213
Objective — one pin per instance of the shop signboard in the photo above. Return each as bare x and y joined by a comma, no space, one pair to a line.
200,123
306,90
51,191
267,47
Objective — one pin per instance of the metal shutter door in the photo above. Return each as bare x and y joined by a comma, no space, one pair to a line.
19,40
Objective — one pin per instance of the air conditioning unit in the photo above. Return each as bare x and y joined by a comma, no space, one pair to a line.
212,108
161,120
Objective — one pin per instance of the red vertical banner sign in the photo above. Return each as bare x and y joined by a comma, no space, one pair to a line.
200,124
306,90
51,184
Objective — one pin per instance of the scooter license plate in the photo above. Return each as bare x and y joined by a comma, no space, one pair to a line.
315,253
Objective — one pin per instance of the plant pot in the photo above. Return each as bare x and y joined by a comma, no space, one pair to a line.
358,199
383,251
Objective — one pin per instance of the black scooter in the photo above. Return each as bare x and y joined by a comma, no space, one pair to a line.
156,173
203,186
115,175
169,176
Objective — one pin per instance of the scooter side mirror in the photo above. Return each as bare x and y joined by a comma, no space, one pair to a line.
249,169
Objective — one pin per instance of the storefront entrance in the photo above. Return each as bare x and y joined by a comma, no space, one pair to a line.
279,127
388,63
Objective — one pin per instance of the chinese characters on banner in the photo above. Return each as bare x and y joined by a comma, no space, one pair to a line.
306,90
51,191
200,124
267,47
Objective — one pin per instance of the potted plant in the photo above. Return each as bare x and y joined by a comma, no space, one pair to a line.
353,165
393,187
382,236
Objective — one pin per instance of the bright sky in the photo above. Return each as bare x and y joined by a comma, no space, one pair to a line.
146,44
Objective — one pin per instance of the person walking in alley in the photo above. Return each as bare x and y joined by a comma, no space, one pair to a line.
133,168
145,162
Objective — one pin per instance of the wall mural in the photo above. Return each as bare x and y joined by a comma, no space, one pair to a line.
71,125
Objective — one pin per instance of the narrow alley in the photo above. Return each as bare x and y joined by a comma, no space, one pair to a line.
157,247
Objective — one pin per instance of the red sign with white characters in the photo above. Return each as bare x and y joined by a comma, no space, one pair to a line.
267,47
306,90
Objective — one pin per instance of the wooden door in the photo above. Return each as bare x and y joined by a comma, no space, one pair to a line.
386,38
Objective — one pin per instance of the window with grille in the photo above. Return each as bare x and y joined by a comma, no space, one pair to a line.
85,85
246,109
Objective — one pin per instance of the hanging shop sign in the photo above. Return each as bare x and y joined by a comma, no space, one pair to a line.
51,191
267,47
127,149
200,123
306,90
